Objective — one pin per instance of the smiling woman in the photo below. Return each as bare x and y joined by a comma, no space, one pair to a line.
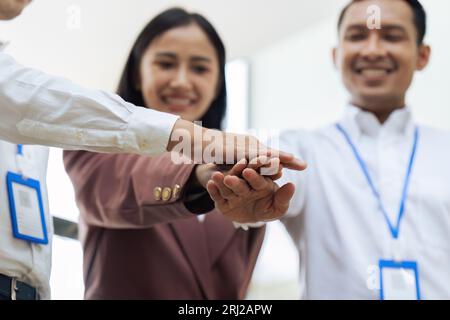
177,72
142,237
177,65
66,278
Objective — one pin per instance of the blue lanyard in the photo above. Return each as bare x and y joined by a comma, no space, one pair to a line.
20,149
394,229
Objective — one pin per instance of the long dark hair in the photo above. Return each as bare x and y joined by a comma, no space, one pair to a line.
169,19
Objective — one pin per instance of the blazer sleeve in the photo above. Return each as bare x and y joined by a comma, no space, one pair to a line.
117,191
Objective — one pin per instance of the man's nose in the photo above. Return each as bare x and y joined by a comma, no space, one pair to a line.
373,47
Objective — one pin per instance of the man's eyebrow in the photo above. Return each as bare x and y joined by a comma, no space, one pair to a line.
387,27
393,27
357,27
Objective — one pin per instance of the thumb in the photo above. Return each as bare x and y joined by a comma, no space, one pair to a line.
283,196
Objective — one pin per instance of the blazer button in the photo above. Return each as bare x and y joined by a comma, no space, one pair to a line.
176,191
157,193
166,193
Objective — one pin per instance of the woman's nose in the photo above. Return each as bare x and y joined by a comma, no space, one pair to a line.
181,78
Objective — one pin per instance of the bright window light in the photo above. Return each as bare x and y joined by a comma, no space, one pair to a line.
237,78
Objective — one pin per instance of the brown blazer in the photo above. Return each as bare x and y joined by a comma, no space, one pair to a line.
138,246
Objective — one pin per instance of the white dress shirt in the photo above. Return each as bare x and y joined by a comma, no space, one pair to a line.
28,262
37,108
334,218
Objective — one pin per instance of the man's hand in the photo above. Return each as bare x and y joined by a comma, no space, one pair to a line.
212,146
251,199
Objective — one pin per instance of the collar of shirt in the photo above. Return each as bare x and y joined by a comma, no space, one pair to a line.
363,123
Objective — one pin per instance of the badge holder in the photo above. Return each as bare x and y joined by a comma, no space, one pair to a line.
399,280
26,207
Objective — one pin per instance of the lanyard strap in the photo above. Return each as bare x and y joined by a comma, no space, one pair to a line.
394,229
20,150
19,159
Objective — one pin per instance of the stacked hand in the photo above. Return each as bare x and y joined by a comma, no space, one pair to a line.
237,170
243,195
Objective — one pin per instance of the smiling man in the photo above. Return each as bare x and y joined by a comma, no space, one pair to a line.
377,65
371,217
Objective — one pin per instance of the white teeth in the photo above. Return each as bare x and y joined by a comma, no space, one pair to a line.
178,101
374,72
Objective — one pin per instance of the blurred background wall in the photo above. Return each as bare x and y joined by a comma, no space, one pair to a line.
280,75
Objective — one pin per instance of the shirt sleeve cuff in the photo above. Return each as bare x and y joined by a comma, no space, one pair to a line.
151,129
246,226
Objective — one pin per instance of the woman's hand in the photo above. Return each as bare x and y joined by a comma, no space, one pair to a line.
250,199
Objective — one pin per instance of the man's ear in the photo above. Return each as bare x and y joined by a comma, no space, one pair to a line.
334,55
424,57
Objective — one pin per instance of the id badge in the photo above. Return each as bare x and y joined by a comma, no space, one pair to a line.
399,280
26,208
